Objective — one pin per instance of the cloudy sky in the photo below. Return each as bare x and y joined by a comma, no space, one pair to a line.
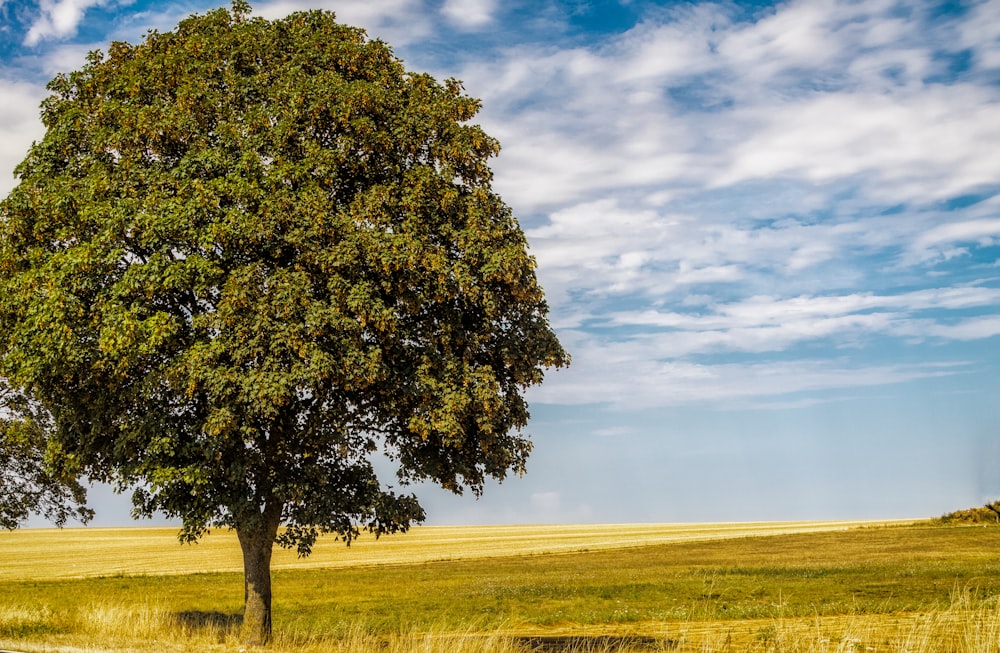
769,235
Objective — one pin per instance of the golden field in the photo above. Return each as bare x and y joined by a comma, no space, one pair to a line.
810,586
84,552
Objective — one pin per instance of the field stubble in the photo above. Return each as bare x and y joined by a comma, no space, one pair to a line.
917,588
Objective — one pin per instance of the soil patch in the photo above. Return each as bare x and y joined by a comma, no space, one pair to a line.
596,643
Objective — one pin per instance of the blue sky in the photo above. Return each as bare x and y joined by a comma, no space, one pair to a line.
769,235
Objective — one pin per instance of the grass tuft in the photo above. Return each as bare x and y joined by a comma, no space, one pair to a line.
19,622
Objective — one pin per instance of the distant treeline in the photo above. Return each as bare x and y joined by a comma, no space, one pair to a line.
988,514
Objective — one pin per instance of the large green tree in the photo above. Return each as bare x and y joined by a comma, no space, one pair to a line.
246,256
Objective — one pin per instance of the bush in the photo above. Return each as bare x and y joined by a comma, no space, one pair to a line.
988,514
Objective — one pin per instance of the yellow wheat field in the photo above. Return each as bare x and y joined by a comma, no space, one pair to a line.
44,554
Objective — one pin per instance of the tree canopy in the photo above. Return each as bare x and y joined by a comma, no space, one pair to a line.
247,256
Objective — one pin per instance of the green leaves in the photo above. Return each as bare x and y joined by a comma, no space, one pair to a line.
33,480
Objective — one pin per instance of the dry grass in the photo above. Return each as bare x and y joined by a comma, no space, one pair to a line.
970,625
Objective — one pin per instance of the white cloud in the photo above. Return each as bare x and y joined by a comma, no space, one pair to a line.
399,22
981,31
19,126
942,241
798,32
768,324
608,248
66,57
469,14
658,51
976,328
897,142
816,92
768,310
59,18
619,376
660,362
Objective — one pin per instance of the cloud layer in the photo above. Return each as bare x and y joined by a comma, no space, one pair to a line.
804,185
723,202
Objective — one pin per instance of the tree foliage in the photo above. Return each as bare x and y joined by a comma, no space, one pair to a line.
987,514
247,256
28,484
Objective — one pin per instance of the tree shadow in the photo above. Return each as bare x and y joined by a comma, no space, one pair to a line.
562,644
207,620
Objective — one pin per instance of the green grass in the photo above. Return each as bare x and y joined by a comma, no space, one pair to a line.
867,571
749,584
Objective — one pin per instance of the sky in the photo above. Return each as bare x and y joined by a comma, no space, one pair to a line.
769,235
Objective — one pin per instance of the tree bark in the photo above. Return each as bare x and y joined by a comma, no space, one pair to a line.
257,541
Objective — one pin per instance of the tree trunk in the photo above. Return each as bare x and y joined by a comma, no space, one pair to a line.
256,542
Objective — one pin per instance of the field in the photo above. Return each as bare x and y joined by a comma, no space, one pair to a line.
726,587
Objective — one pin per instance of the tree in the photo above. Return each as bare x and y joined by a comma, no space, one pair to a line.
246,256
27,484
994,507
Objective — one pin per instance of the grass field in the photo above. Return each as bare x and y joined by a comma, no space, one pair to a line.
83,552
737,587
